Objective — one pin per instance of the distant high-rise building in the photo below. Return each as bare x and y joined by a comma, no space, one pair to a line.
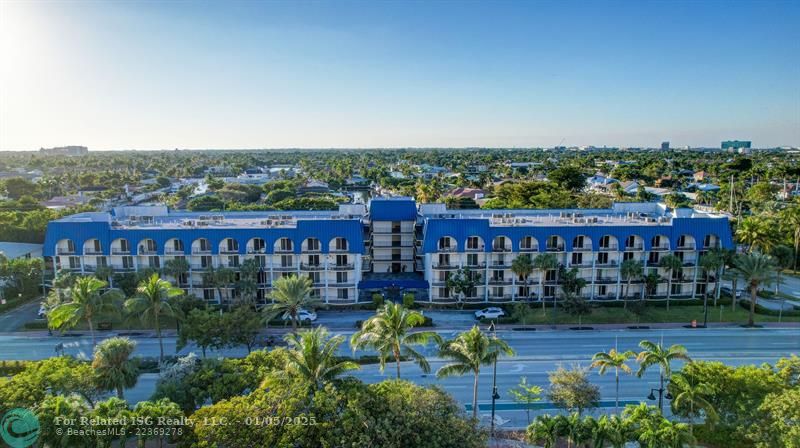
734,145
665,145
64,151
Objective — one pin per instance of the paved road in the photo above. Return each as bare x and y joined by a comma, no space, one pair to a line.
14,319
538,353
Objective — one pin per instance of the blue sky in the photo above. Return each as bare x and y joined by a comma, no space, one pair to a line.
157,75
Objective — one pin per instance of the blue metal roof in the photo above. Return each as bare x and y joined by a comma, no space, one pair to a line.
393,209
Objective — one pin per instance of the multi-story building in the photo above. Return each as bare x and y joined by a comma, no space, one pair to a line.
395,244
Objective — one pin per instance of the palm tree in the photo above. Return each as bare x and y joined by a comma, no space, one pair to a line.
546,430
87,303
312,355
176,268
630,269
653,354
221,279
650,284
151,303
670,263
790,221
691,397
114,369
782,256
469,351
666,435
757,233
756,269
613,360
291,294
542,263
577,430
710,262
522,267
614,430
388,333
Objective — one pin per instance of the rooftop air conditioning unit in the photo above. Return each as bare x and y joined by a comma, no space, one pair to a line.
649,219
266,222
202,223
189,223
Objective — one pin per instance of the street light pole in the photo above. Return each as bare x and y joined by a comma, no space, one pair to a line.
661,389
495,395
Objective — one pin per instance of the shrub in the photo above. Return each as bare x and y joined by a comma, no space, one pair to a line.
408,300
377,299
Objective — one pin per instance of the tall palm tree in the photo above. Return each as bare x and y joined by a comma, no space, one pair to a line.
665,434
630,269
613,360
522,266
756,269
542,263
291,294
468,352
151,303
790,221
782,256
710,262
87,303
725,257
757,233
670,263
691,397
114,369
653,354
312,355
388,332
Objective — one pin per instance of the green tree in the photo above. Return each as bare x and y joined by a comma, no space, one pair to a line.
790,222
653,354
113,367
463,281
151,303
87,303
468,352
526,394
757,233
544,430
115,412
161,420
313,357
242,327
59,408
670,264
613,430
522,266
543,263
757,270
630,270
389,333
709,262
603,361
58,376
571,389
248,281
177,268
778,424
291,294
782,256
204,327
690,399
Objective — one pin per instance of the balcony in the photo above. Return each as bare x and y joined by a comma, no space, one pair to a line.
501,249
634,247
229,251
500,298
284,250
606,263
659,248
311,250
605,280
555,249
582,249
445,266
480,264
201,251
499,281
685,247
439,283
474,249
92,252
285,268
582,264
342,285
499,265
64,251
529,249
118,251
342,267
173,252
338,250
311,267
609,248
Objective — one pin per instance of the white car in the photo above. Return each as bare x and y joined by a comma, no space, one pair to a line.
492,312
42,311
302,316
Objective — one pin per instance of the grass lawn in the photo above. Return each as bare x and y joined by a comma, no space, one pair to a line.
129,324
653,314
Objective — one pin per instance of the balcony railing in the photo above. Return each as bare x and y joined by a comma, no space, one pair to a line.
635,247
285,268
120,252
446,249
501,249
201,251
445,266
229,251
607,263
173,252
609,248
481,264
605,280
474,249
659,248
92,252
529,249
311,267
555,248
582,249
499,281
62,251
499,265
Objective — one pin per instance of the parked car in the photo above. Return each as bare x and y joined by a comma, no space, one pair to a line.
42,311
302,316
727,290
492,312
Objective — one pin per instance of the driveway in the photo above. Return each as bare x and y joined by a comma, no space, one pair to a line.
13,320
